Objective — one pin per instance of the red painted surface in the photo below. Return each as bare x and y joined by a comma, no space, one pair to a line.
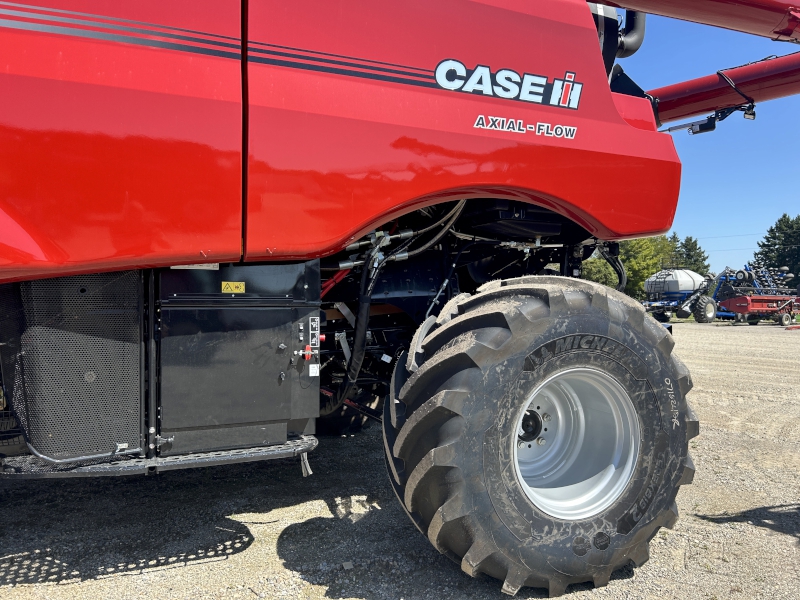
637,112
775,19
762,81
115,155
762,305
125,151
333,156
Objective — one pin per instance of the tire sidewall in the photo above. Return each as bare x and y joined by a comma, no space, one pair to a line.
647,375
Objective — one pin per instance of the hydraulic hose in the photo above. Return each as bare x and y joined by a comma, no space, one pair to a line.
457,207
455,214
360,335
369,276
617,265
453,270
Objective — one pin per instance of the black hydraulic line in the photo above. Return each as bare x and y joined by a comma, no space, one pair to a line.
730,82
617,265
371,269
454,216
64,461
360,334
453,270
442,220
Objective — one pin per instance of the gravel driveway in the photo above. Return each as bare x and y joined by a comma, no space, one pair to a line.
261,530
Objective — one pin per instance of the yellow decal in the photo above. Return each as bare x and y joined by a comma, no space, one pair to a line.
233,287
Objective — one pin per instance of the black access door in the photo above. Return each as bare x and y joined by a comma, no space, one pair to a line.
225,380
223,366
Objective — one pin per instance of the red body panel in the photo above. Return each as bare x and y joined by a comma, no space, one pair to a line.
120,142
761,81
118,153
775,19
332,156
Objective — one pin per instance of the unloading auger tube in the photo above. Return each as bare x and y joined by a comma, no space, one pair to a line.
538,432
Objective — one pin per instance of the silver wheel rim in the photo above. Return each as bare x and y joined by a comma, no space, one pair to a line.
585,453
710,310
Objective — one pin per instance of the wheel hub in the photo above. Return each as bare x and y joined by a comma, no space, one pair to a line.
531,426
577,443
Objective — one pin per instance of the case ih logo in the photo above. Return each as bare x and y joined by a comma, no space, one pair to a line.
505,83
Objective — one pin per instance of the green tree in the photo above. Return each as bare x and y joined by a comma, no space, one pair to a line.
692,256
781,246
643,257
597,269
675,242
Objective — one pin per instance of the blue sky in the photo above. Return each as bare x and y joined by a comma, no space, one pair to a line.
738,179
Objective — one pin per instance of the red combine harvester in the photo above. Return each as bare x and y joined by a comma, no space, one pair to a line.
227,225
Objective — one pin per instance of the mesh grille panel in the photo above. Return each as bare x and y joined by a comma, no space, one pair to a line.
75,364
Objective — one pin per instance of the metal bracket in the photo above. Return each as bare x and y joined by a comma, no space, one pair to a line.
341,337
368,412
304,464
160,441
348,314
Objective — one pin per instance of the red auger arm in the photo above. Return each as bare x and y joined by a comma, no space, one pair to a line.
757,82
730,88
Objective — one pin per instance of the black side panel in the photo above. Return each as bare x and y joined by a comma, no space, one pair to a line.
72,362
230,372
223,366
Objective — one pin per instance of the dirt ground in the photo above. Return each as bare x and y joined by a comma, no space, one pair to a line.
263,531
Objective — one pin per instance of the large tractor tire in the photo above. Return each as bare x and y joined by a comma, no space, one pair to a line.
538,432
705,310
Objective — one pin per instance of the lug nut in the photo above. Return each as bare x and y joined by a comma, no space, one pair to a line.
521,445
546,417
541,441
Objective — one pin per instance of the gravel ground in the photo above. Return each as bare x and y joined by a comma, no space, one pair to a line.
262,531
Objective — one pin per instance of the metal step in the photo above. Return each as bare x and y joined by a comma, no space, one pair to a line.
31,467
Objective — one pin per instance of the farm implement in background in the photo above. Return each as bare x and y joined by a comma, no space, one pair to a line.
755,293
749,295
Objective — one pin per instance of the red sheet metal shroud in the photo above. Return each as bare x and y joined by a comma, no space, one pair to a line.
761,81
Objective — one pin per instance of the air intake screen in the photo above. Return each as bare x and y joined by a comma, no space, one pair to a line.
72,362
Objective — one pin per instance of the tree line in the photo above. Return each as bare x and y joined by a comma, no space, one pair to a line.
645,256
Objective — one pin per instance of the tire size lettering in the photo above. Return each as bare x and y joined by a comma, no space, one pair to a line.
673,402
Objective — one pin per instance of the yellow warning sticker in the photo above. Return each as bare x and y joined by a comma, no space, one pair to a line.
233,287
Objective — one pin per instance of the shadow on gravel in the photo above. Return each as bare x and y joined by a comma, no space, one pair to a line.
60,530
55,531
783,518
371,550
